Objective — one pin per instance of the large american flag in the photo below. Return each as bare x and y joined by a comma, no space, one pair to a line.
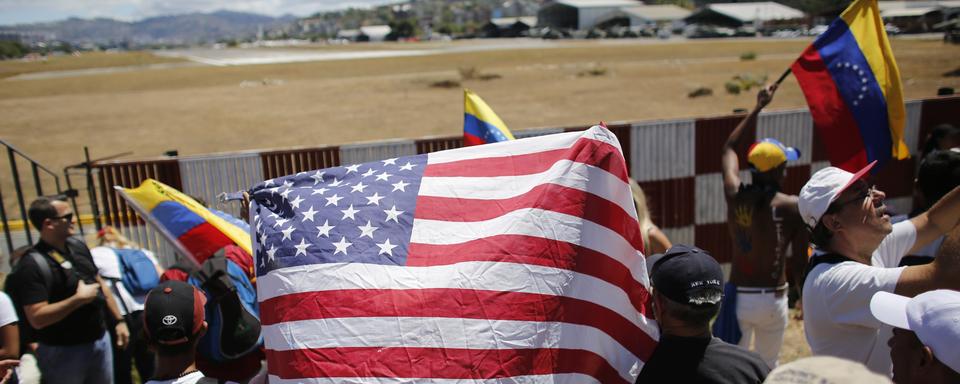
514,262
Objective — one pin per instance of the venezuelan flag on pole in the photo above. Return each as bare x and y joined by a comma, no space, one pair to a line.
480,124
852,85
196,231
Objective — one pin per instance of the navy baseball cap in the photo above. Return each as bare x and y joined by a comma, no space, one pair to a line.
688,275
173,313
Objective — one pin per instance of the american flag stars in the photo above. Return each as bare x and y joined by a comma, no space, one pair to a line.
354,213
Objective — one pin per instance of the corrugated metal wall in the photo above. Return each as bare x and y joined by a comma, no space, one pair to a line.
365,152
285,162
208,176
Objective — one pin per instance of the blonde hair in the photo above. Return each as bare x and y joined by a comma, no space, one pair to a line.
111,237
643,213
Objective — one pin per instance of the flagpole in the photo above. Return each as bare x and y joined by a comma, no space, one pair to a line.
783,76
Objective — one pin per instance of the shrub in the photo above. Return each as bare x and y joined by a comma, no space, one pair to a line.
445,84
747,56
733,87
700,91
593,72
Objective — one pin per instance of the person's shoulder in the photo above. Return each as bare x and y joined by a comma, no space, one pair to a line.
78,246
102,255
786,202
26,265
719,347
736,359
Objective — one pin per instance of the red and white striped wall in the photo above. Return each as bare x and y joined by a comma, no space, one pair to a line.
677,162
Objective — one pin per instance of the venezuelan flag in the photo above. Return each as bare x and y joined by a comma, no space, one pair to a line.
196,231
480,124
852,85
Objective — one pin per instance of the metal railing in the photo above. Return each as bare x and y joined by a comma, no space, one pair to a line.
36,171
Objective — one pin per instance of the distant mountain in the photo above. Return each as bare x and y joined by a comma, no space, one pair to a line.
175,29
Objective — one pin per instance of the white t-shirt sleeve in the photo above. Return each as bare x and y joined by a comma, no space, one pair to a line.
847,288
106,260
8,314
896,245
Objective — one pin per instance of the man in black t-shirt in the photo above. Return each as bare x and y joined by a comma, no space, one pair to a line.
61,296
687,290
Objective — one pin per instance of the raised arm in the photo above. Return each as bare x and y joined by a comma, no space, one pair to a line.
729,161
942,219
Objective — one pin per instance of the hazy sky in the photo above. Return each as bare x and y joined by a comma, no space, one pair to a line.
28,11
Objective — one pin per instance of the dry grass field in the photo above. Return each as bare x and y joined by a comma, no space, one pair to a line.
203,109
89,60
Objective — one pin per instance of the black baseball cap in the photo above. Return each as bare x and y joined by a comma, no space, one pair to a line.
688,275
173,313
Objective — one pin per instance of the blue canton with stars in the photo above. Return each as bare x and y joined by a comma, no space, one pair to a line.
360,213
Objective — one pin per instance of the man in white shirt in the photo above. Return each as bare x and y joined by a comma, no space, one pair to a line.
858,253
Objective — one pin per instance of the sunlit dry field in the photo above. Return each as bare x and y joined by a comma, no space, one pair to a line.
203,109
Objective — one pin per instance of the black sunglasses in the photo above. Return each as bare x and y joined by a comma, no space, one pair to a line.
68,217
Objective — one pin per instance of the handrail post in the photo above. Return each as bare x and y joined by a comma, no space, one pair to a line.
16,183
92,190
73,201
36,178
6,225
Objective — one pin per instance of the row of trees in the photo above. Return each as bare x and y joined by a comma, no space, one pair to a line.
12,50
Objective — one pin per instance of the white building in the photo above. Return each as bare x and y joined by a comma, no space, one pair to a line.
579,14
376,32
737,15
655,15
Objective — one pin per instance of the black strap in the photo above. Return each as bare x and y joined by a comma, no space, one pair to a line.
44,267
827,258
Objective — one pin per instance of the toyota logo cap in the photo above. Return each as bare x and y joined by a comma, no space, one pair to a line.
173,313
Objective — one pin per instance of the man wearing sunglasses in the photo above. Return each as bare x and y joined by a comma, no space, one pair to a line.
61,296
858,253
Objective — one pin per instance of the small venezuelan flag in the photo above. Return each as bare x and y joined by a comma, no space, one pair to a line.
480,124
196,231
852,85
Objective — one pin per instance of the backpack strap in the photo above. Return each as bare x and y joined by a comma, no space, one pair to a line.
43,266
213,277
827,258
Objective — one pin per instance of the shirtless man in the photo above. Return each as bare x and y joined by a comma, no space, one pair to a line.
762,222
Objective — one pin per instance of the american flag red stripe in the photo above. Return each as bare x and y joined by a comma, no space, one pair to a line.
540,365
522,262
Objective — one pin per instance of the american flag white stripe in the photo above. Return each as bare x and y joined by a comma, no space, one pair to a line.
564,172
512,148
487,276
560,378
549,225
555,290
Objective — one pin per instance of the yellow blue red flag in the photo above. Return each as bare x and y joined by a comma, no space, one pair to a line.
480,124
195,230
852,85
